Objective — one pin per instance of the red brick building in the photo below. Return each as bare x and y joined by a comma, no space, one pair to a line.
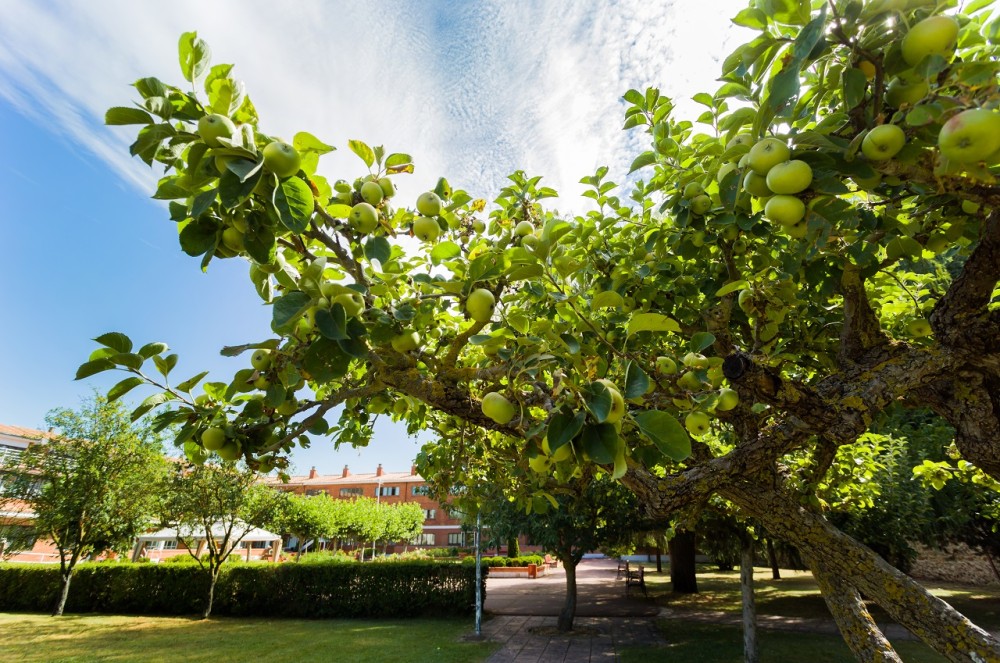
13,441
442,529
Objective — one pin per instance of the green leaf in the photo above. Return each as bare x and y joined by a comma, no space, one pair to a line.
233,191
289,307
607,299
294,201
260,244
128,360
116,341
598,401
165,364
444,251
363,151
123,387
751,18
149,404
731,287
120,116
225,95
333,323
325,361
151,349
306,142
195,56
621,466
665,432
701,340
190,383
643,160
563,427
399,162
600,442
92,367
571,343
636,381
198,236
217,72
378,248
855,84
654,322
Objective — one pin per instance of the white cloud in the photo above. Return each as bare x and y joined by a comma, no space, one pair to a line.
471,90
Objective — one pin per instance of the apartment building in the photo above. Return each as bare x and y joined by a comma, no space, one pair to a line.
13,441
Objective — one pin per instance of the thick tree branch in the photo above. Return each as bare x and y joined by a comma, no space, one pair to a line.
861,330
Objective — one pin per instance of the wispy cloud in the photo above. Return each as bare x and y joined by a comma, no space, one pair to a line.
472,90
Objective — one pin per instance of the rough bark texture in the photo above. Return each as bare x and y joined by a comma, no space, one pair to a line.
568,612
683,579
772,558
750,653
63,594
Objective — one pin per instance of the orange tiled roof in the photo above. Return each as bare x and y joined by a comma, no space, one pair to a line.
26,433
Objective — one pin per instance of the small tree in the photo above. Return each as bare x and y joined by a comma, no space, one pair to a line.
213,507
91,488
306,517
403,522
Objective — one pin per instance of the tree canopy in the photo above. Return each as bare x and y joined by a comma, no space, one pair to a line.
824,239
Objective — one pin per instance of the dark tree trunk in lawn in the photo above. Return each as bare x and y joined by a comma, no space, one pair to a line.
750,654
568,612
682,568
772,557
63,594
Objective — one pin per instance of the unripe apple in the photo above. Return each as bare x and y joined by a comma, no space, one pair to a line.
617,402
213,127
498,408
524,228
372,193
796,230
233,239
756,185
883,142
426,229
970,207
405,341
690,381
785,210
261,359
935,35
701,204
429,204
696,423
230,451
281,159
478,227
695,360
728,399
788,177
740,139
352,302
693,190
213,438
480,304
919,328
666,365
364,218
900,93
388,188
972,135
767,153
745,301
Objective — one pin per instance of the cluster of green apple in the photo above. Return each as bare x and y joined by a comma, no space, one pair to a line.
773,179
369,201
702,391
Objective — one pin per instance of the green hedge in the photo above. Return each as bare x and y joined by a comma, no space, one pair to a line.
523,560
404,589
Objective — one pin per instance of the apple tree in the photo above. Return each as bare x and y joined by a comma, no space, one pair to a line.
821,243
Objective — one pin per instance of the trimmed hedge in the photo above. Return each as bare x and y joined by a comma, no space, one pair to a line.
523,560
403,589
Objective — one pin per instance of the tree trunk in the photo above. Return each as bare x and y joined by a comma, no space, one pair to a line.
211,592
750,654
682,569
63,593
772,557
513,547
935,622
568,612
856,625
659,559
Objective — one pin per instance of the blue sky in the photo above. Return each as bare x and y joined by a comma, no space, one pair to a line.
472,90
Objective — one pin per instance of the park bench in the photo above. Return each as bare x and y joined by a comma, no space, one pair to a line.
635,578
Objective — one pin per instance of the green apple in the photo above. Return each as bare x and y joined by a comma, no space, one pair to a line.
617,402
745,301
690,381
693,190
695,360
405,341
372,193
352,302
935,35
498,408
883,142
796,230
919,328
230,451
233,239
213,127
524,228
900,93
480,304
388,188
785,210
213,438
363,218
792,176
426,229
972,135
756,185
429,204
288,407
728,399
560,454
539,464
666,365
767,153
701,204
261,359
478,227
281,159
696,423
970,207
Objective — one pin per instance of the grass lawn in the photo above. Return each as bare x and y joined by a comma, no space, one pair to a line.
32,637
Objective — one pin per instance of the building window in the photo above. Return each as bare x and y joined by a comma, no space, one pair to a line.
427,539
351,492
429,514
454,514
388,491
456,539
153,545
420,490
170,545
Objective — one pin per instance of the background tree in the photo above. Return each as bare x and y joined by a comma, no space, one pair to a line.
306,517
824,237
92,488
212,507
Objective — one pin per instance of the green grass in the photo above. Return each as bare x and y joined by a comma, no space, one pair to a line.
710,643
117,638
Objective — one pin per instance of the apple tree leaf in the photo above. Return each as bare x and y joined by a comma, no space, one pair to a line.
600,442
122,115
636,381
598,400
305,142
289,307
607,299
665,432
643,160
294,201
93,367
733,286
325,361
563,427
189,384
444,251
701,340
654,322
362,150
332,323
150,403
123,387
195,56
378,248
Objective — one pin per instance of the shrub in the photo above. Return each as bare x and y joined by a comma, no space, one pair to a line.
524,560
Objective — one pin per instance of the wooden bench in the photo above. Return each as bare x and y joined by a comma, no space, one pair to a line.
635,578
